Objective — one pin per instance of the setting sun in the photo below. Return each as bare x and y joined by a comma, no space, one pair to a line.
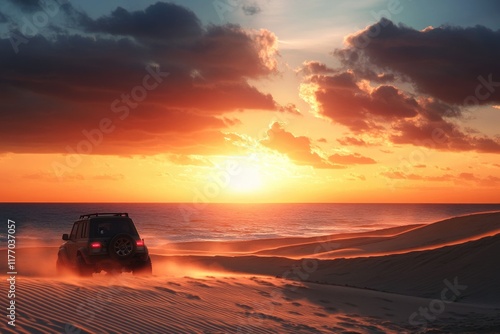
248,179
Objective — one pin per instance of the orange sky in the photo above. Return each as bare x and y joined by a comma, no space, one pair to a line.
141,108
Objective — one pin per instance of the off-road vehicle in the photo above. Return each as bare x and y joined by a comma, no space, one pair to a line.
104,241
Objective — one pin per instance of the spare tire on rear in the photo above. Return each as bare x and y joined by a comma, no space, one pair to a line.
122,246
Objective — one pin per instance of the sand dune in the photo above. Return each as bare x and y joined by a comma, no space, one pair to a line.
246,247
217,293
381,242
447,232
419,273
221,304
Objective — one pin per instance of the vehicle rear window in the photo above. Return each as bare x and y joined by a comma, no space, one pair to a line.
110,227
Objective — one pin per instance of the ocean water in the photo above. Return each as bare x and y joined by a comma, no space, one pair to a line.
44,223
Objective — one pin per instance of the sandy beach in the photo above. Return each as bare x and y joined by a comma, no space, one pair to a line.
436,278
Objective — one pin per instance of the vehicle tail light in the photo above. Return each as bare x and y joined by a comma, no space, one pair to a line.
95,245
140,243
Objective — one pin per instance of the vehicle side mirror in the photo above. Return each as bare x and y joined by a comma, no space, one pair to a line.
65,236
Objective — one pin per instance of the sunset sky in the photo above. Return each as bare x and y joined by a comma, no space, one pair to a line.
250,101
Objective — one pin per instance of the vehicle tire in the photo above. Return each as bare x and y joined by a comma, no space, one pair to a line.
122,246
82,268
145,269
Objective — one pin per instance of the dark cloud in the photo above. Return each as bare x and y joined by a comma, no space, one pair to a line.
164,22
450,68
441,135
315,67
447,63
29,5
3,18
343,100
251,9
290,108
165,90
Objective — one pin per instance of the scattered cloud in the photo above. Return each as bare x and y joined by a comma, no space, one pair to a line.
352,141
302,152
181,159
351,159
298,149
290,108
397,175
355,177
460,179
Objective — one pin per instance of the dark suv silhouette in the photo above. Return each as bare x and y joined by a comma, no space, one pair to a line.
104,241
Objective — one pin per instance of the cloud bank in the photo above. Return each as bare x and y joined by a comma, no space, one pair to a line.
164,80
444,71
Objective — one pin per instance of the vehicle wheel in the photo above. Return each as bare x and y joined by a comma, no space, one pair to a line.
82,268
145,269
122,246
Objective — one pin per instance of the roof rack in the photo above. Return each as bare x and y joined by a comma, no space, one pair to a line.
98,214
